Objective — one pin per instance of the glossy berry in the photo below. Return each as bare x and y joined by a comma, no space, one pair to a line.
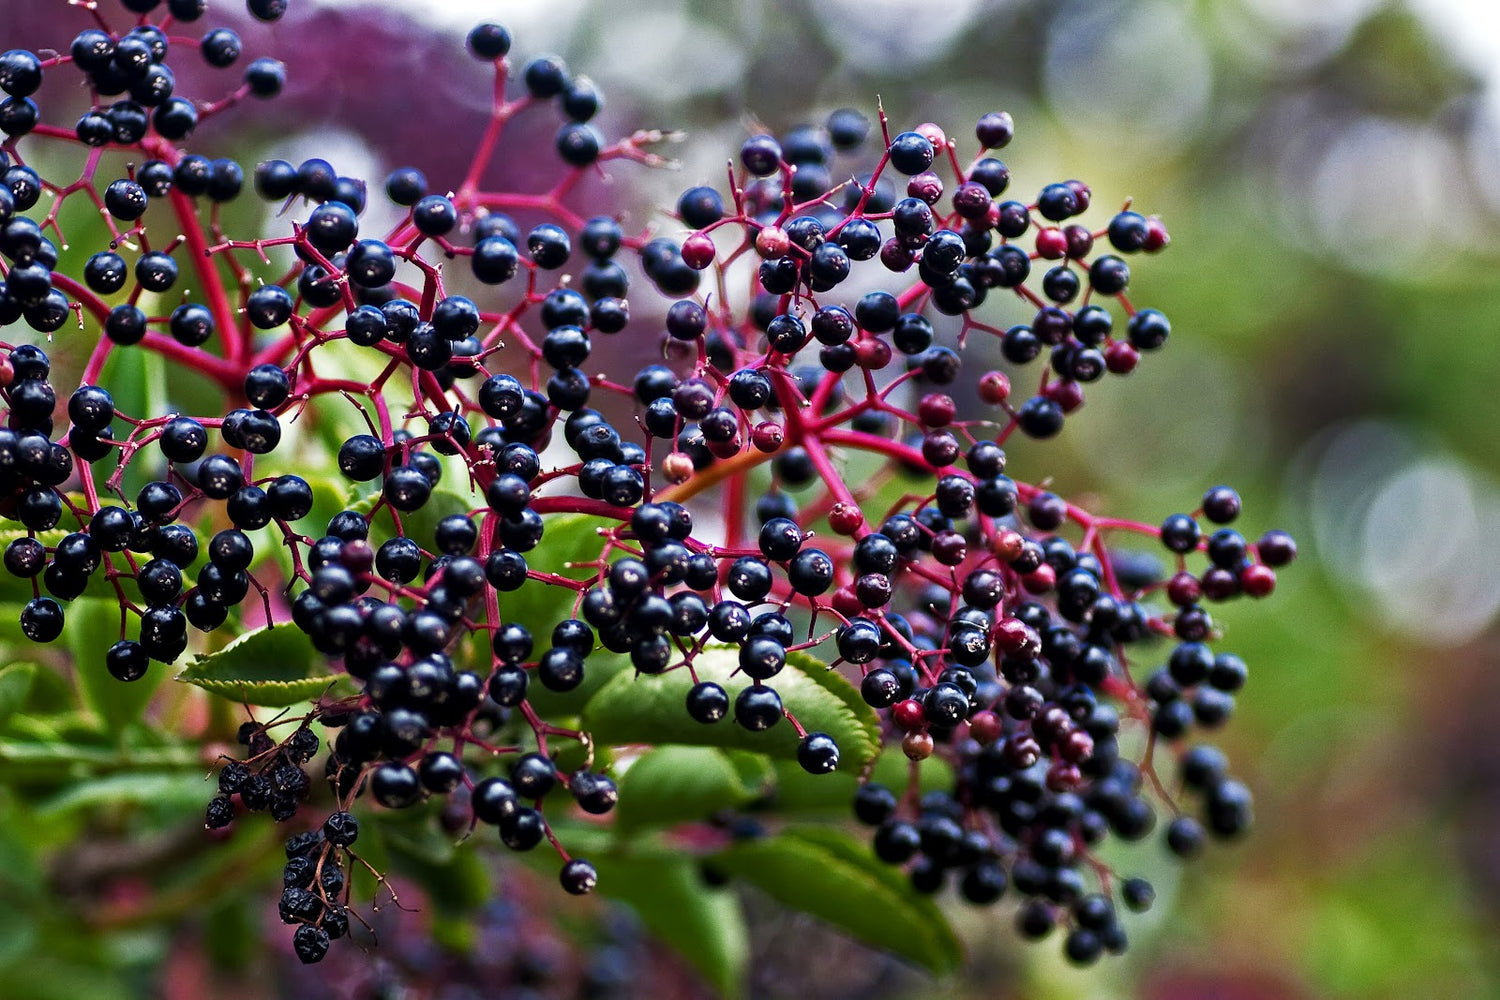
817,753
757,708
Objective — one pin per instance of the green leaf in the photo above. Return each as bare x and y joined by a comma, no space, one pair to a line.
675,784
93,625
452,875
15,686
185,791
649,709
825,872
704,925
273,666
796,791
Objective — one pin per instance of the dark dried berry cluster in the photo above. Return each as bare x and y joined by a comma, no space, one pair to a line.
789,476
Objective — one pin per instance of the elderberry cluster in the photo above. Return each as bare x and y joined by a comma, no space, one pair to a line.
989,622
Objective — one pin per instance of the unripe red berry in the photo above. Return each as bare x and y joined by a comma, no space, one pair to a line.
994,387
846,603
698,251
927,186
1081,194
772,242
1063,777
767,436
845,518
908,714
1076,747
1013,636
917,746
1066,394
872,353
1121,357
949,548
1040,580
1007,547
936,409
727,449
933,134
677,467
1051,244
984,727
1156,235
895,257
1258,580
1183,589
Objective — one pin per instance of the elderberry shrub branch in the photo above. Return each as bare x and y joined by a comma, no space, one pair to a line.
789,485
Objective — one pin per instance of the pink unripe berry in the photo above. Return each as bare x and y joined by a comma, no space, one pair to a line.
1040,580
1051,244
908,714
933,134
698,251
927,186
872,353
1121,357
1258,580
994,387
845,518
1156,235
936,409
772,242
677,467
1067,394
767,436
985,728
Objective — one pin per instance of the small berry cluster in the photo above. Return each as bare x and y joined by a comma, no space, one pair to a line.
991,622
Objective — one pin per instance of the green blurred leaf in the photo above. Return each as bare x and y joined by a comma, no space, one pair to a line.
93,626
451,874
649,709
56,761
793,790
15,686
189,791
674,784
705,926
827,873
273,666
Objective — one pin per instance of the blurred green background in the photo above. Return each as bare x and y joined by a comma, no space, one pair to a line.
1330,175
